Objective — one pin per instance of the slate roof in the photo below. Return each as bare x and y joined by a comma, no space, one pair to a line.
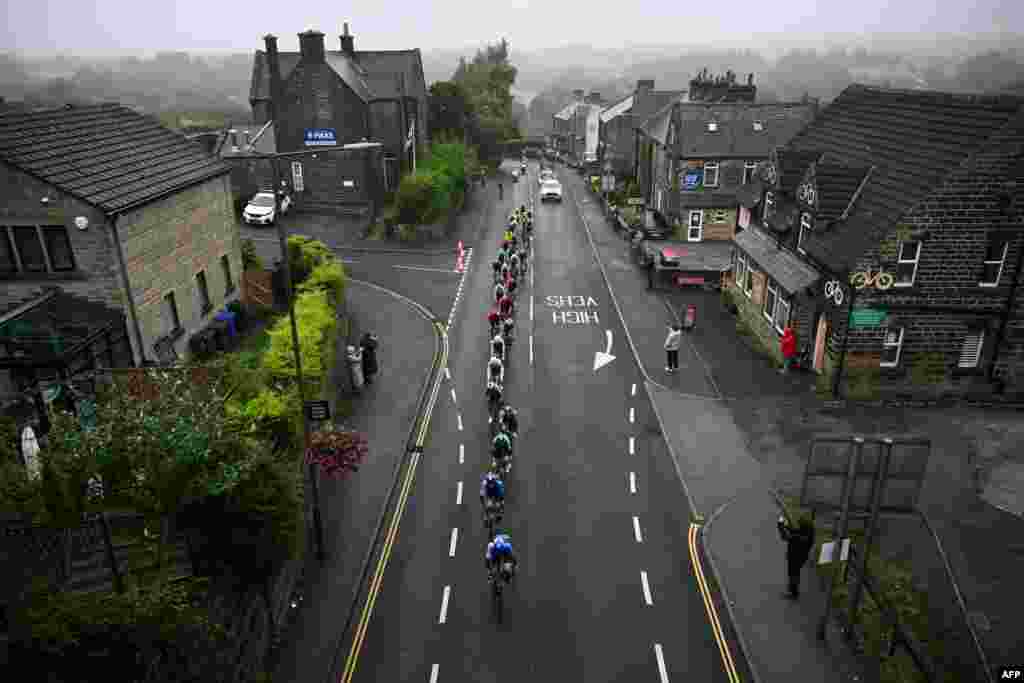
352,74
792,273
736,135
106,155
915,139
647,103
791,165
382,66
656,126
621,107
835,185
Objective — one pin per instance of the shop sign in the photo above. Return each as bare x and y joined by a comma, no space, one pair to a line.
867,317
692,179
320,137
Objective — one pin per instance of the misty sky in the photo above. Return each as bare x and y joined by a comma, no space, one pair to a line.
114,26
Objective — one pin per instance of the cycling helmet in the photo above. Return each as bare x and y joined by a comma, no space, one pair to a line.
493,486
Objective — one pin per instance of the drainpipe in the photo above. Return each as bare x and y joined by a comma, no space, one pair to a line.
128,292
846,336
1007,312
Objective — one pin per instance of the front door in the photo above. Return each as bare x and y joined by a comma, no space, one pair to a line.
819,342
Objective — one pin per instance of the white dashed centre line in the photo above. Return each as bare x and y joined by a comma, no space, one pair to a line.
636,529
531,309
459,415
662,671
632,392
647,588
458,494
632,415
632,482
453,396
451,546
462,453
444,604
632,444
433,673
531,349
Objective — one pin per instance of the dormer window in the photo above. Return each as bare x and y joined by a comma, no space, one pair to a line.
712,127
759,125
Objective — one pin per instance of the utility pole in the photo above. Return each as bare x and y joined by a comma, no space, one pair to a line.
318,527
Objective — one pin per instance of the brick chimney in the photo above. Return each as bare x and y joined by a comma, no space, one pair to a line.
274,67
594,97
347,41
311,46
645,85
578,94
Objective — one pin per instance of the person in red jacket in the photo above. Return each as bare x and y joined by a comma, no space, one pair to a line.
506,306
788,347
493,318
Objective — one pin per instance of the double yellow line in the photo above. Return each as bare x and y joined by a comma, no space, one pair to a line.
396,518
709,605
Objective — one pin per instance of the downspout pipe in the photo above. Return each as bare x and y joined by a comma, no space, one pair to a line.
119,248
1004,320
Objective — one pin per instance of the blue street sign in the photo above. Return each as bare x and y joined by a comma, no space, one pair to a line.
320,136
692,180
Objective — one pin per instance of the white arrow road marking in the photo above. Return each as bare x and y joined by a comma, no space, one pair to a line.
451,546
444,604
662,671
636,529
647,588
602,359
433,673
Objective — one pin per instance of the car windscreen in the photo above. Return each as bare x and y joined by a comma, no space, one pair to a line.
262,200
553,185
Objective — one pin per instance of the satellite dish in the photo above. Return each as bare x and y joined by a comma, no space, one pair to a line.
81,222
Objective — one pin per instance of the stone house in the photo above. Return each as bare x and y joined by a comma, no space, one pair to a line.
120,213
905,205
569,126
617,138
714,149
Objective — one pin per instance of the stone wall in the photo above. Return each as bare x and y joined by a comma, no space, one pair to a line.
96,274
167,242
316,97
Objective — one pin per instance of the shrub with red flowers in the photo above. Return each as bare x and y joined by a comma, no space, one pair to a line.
337,452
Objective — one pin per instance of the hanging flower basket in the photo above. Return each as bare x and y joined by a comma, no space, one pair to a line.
337,452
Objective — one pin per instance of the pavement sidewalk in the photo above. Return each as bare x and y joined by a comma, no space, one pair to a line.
384,412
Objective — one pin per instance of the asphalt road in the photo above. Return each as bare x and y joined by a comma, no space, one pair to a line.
595,508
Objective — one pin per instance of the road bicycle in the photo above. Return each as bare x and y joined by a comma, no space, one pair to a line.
499,579
493,514
879,279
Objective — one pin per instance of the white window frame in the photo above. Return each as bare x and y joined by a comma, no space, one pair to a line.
741,269
805,227
901,261
699,213
748,282
899,348
769,204
708,167
973,344
780,303
1001,262
770,288
749,167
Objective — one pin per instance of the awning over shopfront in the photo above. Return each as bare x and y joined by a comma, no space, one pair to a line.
707,257
792,274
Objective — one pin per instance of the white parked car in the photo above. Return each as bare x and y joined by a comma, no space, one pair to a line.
545,175
552,189
260,209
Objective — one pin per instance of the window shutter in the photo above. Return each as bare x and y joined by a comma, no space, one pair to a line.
970,353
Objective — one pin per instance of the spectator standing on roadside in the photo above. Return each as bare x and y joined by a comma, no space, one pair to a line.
788,347
799,542
672,342
368,344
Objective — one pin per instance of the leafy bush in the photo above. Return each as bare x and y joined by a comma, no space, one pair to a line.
250,259
415,199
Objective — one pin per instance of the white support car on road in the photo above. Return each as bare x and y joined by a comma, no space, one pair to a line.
551,189
545,175
261,210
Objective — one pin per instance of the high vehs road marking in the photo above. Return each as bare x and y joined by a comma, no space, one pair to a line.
636,530
647,588
444,605
709,605
451,545
396,519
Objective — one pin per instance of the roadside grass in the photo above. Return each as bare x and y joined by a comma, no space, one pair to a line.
894,579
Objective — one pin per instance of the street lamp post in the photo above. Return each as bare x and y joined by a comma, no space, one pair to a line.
318,528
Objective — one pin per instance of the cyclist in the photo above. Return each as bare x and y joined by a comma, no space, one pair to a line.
498,346
512,285
499,289
500,555
515,261
496,370
509,419
493,397
501,449
494,320
509,235
492,492
502,256
507,326
506,306
524,255
496,267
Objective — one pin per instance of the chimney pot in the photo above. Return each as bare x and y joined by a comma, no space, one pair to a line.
578,93
311,46
347,41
